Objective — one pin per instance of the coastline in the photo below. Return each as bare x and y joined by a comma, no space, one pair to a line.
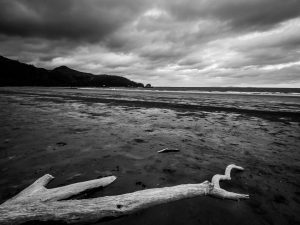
76,136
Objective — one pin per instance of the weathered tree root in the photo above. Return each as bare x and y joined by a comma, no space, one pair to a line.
37,203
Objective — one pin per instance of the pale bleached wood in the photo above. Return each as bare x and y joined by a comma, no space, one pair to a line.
38,192
168,150
216,178
37,203
221,193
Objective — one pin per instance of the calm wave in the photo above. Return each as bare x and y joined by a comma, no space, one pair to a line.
214,90
267,100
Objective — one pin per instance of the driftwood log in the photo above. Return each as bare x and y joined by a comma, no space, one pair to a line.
168,150
37,203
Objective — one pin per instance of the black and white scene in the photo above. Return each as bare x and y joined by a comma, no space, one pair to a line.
142,112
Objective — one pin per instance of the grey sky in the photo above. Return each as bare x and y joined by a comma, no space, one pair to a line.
165,43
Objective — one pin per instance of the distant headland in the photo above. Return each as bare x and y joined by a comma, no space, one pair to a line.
15,73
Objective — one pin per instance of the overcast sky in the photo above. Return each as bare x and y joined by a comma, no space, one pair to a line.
162,42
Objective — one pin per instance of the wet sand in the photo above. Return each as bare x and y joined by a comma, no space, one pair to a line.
75,135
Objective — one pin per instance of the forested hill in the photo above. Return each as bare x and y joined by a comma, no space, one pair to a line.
15,73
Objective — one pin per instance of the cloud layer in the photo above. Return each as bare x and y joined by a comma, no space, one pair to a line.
173,43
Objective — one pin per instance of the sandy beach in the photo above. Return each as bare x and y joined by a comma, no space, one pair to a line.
82,134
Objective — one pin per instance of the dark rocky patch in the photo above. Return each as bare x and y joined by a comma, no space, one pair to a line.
168,170
278,198
61,144
140,183
139,140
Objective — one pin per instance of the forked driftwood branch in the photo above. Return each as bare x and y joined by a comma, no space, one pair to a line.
37,203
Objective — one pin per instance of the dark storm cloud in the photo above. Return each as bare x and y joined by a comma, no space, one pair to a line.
71,19
163,42
248,14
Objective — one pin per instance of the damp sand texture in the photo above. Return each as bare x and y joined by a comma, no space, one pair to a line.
83,134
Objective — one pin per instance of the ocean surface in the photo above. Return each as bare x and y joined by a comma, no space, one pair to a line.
219,90
230,90
282,100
